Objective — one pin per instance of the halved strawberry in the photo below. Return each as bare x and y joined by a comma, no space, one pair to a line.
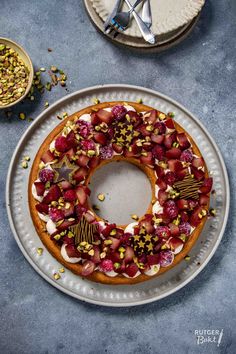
161,184
129,254
72,251
204,199
161,127
61,144
65,185
100,138
153,259
182,204
40,188
162,197
82,194
89,217
183,141
170,123
83,160
147,160
198,162
70,153
158,139
147,146
88,268
115,243
176,244
136,120
79,211
94,119
196,216
181,174
47,156
158,152
64,226
175,165
106,265
147,223
159,171
80,174
105,116
163,232
96,257
42,208
173,153
107,230
68,212
94,162
170,178
131,270
117,148
54,194
184,216
174,229
198,174
207,185
71,140
152,118
115,257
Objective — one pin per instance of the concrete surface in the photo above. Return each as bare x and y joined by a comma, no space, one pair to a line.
200,74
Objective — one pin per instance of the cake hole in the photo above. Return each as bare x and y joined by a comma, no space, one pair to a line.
127,191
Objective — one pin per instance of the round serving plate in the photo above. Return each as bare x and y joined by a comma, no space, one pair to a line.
163,41
108,295
167,15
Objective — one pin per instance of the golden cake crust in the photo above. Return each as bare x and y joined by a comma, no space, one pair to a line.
55,249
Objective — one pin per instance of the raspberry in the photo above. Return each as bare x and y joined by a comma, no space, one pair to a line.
166,258
161,127
119,112
170,178
106,152
56,214
84,128
186,156
192,204
158,152
70,195
106,265
88,145
170,209
61,144
185,228
46,175
163,231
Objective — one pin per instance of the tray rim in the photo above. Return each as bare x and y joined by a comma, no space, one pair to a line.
10,174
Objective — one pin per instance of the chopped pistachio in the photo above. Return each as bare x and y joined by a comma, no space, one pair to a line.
40,251
171,114
70,234
22,115
42,69
108,242
212,212
27,158
57,237
101,197
96,100
121,249
48,86
139,100
62,83
24,164
162,116
113,232
103,255
91,153
150,128
187,258
134,217
56,276
116,265
61,270
46,104
91,252
54,69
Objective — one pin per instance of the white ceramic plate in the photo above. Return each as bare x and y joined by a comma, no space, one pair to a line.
167,15
46,265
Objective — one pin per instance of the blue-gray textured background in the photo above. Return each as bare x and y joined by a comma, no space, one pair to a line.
200,74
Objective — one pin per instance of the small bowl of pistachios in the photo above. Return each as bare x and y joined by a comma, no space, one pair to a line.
16,73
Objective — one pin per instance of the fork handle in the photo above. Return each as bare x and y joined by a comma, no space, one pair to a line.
134,6
146,32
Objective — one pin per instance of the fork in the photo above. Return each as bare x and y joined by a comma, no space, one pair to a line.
123,18
147,14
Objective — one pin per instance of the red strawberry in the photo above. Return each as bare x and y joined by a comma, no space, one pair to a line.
147,146
46,175
198,162
173,153
66,223
161,184
183,141
129,254
61,144
65,185
89,217
80,174
174,229
40,188
136,120
70,153
168,140
159,171
204,199
94,119
69,212
163,232
105,116
158,152
182,204
115,257
207,185
158,139
147,223
70,195
96,257
115,243
94,162
162,197
170,209
181,174
147,160
83,160
161,127
153,259
72,251
71,140
175,165
176,244
107,230
47,157
131,270
106,265
54,194
88,268
56,214
42,208
81,194
198,174
170,123
196,216
100,138
151,119
142,129
117,148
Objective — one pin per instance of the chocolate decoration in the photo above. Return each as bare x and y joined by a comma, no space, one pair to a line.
83,231
123,133
144,243
64,170
188,187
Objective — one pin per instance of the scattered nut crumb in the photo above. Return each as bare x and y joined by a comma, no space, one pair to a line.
101,197
40,251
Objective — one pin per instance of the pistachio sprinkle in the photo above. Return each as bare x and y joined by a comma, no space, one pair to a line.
14,75
101,197
40,251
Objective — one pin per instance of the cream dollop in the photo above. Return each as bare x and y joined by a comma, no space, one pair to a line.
135,276
35,195
111,273
43,217
51,227
157,209
154,269
66,257
85,117
130,228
